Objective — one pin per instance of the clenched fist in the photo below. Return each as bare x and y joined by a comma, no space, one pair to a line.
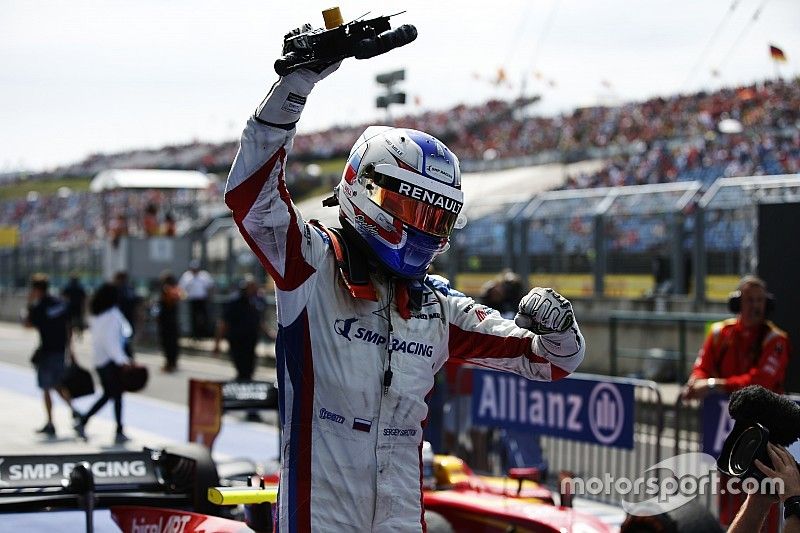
544,311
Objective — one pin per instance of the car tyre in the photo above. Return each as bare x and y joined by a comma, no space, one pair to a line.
437,523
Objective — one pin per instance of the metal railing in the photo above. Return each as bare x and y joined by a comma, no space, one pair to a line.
587,459
677,356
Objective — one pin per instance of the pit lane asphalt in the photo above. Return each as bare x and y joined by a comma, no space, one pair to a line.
156,417
159,410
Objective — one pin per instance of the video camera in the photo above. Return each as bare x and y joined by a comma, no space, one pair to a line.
310,48
761,417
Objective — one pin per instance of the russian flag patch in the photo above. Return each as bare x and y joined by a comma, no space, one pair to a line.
361,424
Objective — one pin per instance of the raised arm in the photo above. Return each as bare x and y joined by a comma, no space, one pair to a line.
256,190
481,336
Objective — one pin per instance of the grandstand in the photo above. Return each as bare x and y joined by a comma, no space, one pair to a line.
667,140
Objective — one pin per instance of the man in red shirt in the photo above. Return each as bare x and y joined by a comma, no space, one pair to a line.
742,351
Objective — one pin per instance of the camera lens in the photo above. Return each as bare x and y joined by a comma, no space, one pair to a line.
744,451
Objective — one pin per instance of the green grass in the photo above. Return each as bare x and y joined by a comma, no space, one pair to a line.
44,188
316,191
332,166
51,186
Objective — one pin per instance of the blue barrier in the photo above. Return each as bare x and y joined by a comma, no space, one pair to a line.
582,409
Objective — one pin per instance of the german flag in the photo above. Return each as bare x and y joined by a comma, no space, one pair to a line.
777,54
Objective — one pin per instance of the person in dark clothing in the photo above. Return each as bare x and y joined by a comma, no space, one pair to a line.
168,300
241,324
75,296
109,329
128,303
503,293
50,316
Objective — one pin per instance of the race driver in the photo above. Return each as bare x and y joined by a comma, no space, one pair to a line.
362,329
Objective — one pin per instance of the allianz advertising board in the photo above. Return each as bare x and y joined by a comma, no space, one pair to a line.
586,410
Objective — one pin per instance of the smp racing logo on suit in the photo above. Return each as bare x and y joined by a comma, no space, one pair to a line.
342,326
345,328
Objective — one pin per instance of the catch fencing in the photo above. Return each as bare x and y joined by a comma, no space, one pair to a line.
583,459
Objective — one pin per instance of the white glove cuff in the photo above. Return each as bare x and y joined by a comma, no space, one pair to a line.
560,347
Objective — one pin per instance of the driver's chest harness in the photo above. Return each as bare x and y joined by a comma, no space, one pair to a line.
354,268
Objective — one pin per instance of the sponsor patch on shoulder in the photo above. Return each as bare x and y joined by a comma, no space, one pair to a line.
294,103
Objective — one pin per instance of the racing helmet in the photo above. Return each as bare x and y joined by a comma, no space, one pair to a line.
400,194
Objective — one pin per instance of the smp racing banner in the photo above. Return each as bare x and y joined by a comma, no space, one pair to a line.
109,469
600,412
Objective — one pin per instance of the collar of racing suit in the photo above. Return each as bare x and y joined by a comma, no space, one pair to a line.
354,269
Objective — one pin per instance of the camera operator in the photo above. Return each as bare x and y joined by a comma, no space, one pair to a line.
753,514
742,351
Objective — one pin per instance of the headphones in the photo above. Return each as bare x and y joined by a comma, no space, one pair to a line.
735,297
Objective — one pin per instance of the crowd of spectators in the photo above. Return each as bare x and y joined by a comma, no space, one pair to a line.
503,129
680,128
687,138
71,218
704,159
663,139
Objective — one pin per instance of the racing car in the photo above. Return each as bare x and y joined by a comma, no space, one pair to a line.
181,490
174,477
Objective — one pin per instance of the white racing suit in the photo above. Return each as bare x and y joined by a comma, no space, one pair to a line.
351,452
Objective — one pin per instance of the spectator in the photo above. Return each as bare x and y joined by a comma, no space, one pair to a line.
117,229
50,316
241,324
109,329
662,276
168,300
128,303
75,296
150,221
522,448
169,225
197,285
503,293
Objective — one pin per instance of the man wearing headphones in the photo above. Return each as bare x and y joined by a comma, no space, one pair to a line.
741,351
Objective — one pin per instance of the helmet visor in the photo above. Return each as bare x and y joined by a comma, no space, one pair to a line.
423,216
